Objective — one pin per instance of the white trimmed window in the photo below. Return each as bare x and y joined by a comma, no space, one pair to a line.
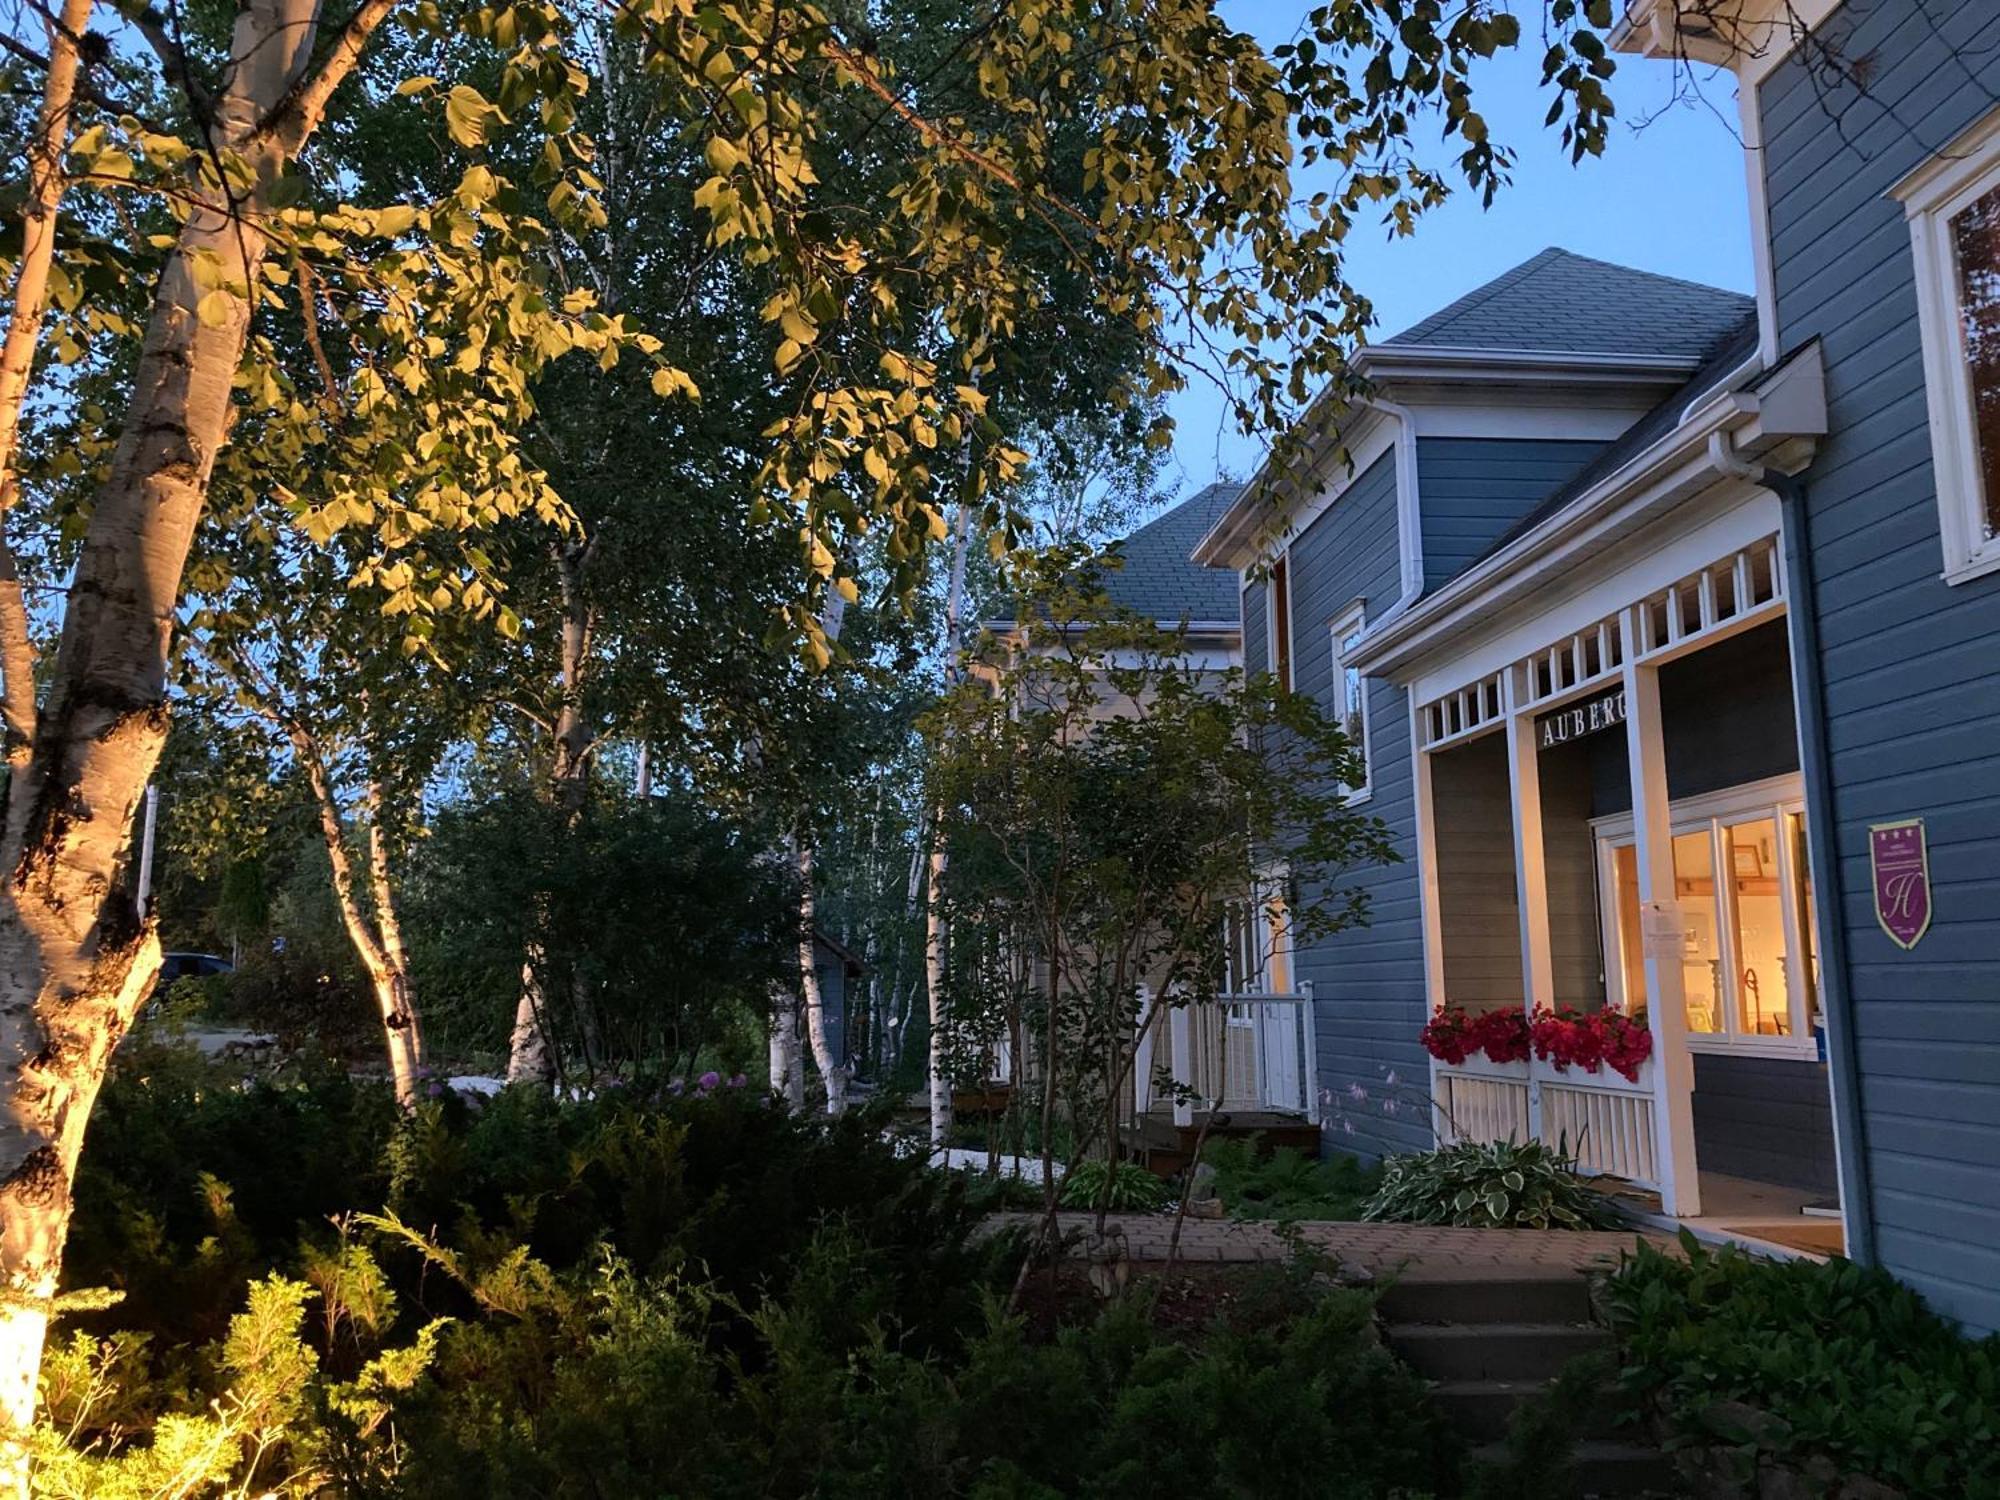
1953,203
1350,696
1278,619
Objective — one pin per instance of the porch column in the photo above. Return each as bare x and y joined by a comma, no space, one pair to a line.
1660,926
1180,1033
1531,876
1428,904
1142,1055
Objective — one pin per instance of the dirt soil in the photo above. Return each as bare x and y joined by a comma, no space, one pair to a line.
1188,1300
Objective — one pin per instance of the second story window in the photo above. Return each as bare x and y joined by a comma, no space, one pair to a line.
1953,203
1281,622
1350,695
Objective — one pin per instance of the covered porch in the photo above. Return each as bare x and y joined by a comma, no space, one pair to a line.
1614,869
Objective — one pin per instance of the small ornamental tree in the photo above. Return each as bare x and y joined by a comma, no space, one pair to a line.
1106,798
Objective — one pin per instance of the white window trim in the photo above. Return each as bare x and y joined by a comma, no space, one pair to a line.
1354,621
1283,665
1775,796
1932,197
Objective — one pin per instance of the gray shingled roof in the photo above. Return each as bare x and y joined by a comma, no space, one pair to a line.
1562,303
1159,579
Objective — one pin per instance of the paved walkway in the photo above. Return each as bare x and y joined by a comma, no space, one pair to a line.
1412,1251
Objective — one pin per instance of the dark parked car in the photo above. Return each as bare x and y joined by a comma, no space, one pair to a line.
191,966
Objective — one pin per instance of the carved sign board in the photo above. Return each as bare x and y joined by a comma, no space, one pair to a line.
1580,719
1902,870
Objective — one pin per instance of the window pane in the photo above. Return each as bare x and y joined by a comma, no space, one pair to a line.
1701,955
1976,236
1281,622
1352,720
1764,1003
1802,895
1631,952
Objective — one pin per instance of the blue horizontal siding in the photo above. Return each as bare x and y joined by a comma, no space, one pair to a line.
1368,981
1471,491
1910,666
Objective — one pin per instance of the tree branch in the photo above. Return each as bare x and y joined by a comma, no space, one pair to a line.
295,115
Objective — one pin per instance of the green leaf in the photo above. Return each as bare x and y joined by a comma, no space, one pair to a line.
470,120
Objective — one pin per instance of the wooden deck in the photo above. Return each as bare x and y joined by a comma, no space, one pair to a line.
1167,1148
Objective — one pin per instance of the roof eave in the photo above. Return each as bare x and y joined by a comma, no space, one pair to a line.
1778,424
1469,362
1230,542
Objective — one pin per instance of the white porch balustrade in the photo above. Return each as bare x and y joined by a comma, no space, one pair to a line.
1248,1051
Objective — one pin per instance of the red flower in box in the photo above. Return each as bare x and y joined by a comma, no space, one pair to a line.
1592,1039
1503,1035
1445,1036
1451,1035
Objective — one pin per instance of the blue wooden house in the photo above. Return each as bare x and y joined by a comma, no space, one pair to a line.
1669,622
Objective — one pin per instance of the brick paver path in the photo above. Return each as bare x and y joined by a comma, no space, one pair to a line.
1411,1251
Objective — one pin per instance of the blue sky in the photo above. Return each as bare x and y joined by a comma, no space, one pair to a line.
1668,197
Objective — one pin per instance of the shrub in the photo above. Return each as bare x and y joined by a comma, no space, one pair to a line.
699,1296
1288,1185
1504,1185
1133,1189
1797,1361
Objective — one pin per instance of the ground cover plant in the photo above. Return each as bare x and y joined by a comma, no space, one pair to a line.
1287,1185
693,1293
1828,1369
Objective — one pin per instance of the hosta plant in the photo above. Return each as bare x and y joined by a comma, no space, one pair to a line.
1502,1185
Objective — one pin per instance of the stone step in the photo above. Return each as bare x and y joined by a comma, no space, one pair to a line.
1560,1298
1480,1408
1607,1468
1493,1351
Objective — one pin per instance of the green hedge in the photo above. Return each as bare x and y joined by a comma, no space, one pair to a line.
1802,1363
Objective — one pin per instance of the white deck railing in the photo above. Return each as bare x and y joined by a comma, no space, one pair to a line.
1248,1051
1607,1122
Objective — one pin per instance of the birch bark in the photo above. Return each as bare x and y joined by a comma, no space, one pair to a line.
935,934
76,961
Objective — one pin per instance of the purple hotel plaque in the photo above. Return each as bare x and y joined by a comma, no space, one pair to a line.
1902,867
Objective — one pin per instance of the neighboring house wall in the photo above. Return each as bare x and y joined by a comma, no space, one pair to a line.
1911,666
1475,489
1368,982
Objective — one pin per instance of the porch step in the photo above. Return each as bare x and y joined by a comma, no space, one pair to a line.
1480,1408
1493,1351
1561,1299
1607,1468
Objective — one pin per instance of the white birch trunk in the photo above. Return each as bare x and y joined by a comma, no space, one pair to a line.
40,212
832,1072
387,980
530,1058
787,1057
75,961
935,934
